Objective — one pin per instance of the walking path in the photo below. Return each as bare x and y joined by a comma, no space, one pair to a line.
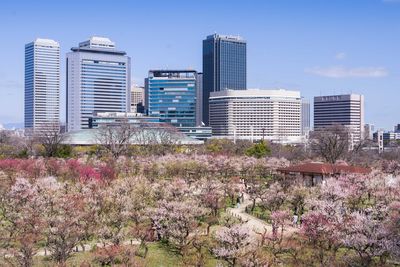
253,223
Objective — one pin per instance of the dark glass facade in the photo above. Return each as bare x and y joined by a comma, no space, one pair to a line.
224,66
171,96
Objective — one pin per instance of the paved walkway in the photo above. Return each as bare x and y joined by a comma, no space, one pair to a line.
253,223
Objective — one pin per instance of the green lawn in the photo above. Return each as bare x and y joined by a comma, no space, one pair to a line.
159,255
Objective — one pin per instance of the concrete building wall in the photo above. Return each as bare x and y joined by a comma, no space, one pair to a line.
256,114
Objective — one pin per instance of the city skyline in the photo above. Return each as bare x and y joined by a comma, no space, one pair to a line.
356,54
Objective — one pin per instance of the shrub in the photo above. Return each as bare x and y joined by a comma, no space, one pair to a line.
259,150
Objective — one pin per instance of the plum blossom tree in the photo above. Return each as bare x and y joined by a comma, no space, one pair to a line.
64,213
174,221
141,197
21,223
297,199
232,243
393,227
322,234
211,195
368,237
255,187
273,198
279,220
114,212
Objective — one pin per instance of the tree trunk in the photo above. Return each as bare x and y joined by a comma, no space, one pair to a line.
253,205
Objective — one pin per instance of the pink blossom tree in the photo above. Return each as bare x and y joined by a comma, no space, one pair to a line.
114,212
64,213
232,243
368,237
174,221
322,234
273,198
21,222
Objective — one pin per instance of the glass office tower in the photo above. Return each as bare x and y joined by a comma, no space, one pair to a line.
171,96
98,80
224,66
42,84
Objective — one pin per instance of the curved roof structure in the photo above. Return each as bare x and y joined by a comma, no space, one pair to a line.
324,169
141,137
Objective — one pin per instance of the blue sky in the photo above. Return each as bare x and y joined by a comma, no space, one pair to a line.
316,46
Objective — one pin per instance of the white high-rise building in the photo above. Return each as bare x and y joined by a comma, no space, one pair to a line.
346,110
98,80
257,114
42,84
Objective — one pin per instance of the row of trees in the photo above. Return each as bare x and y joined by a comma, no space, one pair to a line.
330,144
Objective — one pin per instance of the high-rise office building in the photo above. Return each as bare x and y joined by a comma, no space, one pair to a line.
346,110
137,99
199,99
98,80
171,96
224,66
257,114
305,116
42,84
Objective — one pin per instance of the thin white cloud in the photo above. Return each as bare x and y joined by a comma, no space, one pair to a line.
340,55
342,72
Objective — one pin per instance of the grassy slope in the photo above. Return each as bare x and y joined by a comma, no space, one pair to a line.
158,256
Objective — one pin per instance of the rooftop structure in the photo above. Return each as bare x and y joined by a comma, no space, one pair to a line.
98,42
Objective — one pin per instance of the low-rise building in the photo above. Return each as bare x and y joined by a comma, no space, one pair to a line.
387,136
140,120
118,118
314,173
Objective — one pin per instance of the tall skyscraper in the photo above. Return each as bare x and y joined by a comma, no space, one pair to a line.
171,96
98,80
305,116
256,114
346,110
199,99
224,66
42,84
